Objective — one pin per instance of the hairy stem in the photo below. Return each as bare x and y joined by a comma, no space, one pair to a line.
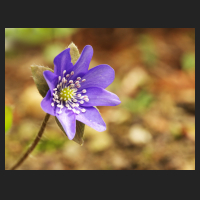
35,142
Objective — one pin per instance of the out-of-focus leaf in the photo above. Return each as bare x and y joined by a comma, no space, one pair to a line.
37,73
52,50
8,118
79,131
140,103
148,50
188,61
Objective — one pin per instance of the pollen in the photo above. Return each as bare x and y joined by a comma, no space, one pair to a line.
66,93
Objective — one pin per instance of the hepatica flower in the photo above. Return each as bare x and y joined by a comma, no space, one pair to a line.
74,91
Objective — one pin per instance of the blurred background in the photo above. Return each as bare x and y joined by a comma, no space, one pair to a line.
152,129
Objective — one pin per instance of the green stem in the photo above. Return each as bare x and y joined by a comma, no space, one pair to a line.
35,142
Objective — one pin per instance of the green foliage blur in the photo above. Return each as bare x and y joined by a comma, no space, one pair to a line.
8,118
36,36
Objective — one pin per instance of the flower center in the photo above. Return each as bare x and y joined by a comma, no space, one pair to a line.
67,94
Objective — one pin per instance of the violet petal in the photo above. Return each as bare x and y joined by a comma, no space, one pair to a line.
101,97
63,62
68,122
99,76
46,104
51,79
92,118
82,64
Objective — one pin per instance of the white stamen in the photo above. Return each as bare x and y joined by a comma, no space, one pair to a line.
58,86
63,80
78,86
83,80
78,95
86,99
64,72
73,105
77,112
59,78
81,102
67,105
71,81
83,110
67,75
72,85
72,73
60,111
55,89
54,99
58,101
77,82
78,78
74,100
84,91
52,104
75,89
77,105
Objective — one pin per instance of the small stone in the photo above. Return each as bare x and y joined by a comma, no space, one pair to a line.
139,135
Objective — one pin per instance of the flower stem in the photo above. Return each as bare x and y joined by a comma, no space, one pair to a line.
35,142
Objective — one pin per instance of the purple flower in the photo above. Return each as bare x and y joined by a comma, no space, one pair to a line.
74,91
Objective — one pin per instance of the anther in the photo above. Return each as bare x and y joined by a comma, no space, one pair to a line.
77,82
86,99
59,78
70,81
60,111
84,91
55,89
83,80
72,73
52,104
78,86
83,110
78,78
67,75
81,102
78,95
64,72
77,112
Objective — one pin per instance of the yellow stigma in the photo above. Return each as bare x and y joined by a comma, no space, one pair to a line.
66,94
